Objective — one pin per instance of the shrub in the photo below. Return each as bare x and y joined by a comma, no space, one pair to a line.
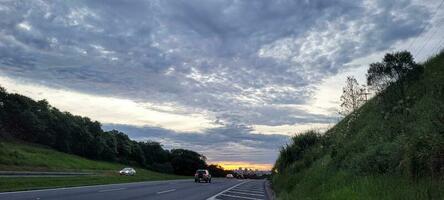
305,148
381,159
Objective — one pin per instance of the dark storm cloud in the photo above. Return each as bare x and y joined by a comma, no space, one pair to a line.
239,60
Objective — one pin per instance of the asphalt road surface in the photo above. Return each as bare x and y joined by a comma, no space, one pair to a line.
222,189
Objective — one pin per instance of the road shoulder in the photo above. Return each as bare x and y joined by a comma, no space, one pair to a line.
269,191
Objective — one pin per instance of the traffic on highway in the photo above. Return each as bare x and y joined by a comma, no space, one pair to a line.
219,188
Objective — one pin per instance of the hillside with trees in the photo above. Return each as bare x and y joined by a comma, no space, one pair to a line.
23,119
390,147
24,157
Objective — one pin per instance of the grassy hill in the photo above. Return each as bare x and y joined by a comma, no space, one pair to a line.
390,148
35,136
21,156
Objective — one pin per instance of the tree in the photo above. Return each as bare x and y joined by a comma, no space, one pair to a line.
397,68
353,96
2,91
110,151
217,171
137,153
186,162
154,153
123,145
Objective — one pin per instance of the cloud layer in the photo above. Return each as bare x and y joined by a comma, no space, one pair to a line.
241,64
231,143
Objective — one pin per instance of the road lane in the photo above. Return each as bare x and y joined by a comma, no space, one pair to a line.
247,190
155,190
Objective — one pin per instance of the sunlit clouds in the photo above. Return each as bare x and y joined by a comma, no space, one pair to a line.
113,110
291,129
233,80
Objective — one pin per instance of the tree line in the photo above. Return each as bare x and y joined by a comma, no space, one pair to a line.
38,122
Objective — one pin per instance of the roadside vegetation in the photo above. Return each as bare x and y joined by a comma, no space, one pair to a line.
20,156
34,136
389,147
23,119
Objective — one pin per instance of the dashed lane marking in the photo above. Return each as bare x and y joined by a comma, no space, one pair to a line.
111,190
166,191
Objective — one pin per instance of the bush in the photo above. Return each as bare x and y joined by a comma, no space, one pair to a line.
305,147
381,159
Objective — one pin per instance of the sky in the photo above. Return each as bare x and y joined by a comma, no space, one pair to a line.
230,79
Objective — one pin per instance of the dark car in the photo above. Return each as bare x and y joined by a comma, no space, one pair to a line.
202,175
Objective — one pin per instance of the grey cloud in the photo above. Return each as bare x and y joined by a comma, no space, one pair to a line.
203,55
215,143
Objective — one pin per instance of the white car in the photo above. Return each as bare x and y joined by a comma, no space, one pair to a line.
128,171
230,176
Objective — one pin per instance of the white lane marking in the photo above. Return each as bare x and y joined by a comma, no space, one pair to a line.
93,186
234,196
214,197
252,194
110,190
250,188
166,191
250,191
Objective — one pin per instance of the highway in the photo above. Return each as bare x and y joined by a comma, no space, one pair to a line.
222,189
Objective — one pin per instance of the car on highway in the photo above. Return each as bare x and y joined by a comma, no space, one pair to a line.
230,176
202,175
128,171
240,176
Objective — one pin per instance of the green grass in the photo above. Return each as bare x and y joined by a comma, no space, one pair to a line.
321,182
34,157
390,149
18,156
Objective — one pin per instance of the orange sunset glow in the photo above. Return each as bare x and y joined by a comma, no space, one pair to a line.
229,165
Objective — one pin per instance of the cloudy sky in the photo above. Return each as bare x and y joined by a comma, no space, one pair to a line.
230,79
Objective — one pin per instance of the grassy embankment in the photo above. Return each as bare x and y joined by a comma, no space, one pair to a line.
321,182
391,148
19,156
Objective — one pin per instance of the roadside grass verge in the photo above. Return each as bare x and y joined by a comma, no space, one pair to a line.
320,182
19,156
